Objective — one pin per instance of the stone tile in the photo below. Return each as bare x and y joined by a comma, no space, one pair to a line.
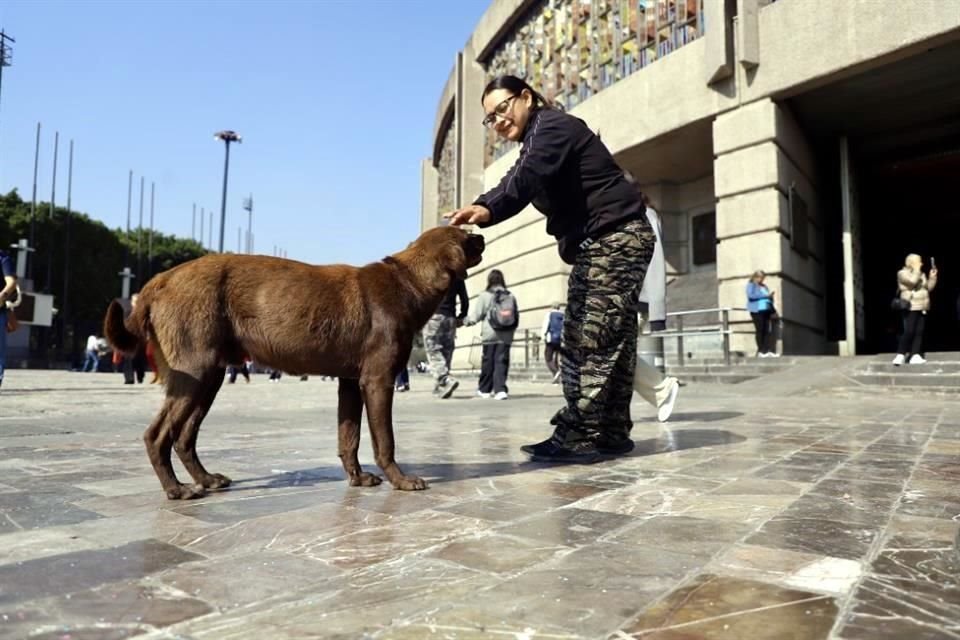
81,570
568,526
760,563
240,580
922,528
779,471
846,508
760,487
682,534
19,511
589,592
721,607
912,591
497,553
824,537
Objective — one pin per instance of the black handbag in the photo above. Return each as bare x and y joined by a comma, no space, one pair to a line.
899,304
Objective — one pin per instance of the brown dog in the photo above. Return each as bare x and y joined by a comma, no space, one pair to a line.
356,323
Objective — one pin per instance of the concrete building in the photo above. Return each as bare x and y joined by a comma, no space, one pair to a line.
814,139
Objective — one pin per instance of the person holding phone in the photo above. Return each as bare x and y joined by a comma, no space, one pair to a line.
760,306
914,287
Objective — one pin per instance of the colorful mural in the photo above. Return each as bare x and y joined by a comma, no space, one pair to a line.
572,49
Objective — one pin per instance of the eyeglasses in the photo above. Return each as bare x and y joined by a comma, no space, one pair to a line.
499,111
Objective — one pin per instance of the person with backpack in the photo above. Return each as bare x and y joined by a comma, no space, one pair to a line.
551,332
597,217
497,309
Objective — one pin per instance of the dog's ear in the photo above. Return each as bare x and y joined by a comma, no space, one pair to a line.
455,258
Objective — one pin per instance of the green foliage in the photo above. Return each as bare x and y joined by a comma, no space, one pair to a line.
96,255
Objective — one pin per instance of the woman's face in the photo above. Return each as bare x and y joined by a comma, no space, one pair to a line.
759,278
507,113
914,262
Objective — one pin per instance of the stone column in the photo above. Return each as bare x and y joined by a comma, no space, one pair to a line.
762,159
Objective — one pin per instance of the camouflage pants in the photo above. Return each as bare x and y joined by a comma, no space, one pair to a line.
438,340
600,331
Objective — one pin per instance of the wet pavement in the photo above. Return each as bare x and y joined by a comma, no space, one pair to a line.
796,517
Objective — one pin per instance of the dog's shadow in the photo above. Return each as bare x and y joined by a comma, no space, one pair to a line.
441,472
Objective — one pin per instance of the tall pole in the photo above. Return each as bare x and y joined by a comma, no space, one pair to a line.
227,137
193,224
223,197
126,245
239,242
6,54
140,236
66,256
33,203
150,240
248,205
203,218
210,231
48,285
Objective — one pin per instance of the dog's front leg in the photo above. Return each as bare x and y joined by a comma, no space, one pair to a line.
378,396
349,412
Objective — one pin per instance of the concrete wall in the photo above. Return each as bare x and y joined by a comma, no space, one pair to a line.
428,195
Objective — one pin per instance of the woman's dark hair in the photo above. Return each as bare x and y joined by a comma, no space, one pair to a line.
495,278
516,86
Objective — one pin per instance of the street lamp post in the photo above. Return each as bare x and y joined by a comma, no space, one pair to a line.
227,137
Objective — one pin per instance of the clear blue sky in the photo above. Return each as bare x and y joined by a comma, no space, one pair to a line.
335,101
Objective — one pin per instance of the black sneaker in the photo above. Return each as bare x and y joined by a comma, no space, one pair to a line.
578,452
446,389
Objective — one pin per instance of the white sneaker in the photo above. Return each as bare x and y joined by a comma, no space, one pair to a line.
482,394
501,395
762,354
773,354
665,408
917,359
898,360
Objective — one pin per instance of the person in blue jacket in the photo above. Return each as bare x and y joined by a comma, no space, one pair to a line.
760,306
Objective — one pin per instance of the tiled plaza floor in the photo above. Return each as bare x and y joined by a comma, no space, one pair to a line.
800,517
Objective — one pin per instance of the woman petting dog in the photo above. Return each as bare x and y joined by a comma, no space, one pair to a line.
598,219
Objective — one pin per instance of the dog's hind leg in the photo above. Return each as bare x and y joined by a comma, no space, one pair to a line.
186,443
158,440
349,412
378,397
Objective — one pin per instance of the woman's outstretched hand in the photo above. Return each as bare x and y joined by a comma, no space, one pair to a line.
471,214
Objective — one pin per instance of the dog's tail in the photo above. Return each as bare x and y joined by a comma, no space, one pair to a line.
121,337
127,336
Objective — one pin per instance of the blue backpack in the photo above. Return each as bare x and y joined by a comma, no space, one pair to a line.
554,327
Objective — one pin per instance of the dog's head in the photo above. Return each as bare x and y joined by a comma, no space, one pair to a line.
454,249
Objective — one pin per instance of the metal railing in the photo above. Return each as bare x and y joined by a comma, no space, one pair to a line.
679,332
529,339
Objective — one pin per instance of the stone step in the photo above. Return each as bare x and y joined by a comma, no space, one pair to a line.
751,369
898,379
715,378
914,369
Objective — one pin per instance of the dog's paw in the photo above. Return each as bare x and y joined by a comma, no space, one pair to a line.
216,481
365,479
186,492
410,483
